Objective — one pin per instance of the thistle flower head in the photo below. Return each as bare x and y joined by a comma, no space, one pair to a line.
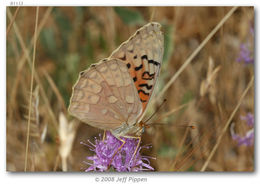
249,118
246,53
108,154
248,138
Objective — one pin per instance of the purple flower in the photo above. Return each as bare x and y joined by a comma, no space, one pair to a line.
249,118
248,139
106,155
246,53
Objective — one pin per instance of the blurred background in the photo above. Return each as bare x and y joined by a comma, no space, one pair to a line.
204,95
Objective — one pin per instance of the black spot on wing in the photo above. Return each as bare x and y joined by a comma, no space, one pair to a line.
144,57
128,65
138,68
81,73
145,93
92,65
123,58
143,100
146,85
147,76
150,60
154,62
134,79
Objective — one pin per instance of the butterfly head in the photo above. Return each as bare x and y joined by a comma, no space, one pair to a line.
142,126
130,130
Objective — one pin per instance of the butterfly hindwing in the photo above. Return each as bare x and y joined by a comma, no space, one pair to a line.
105,96
143,54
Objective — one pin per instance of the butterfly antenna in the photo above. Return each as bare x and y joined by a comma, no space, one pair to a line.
181,126
156,111
185,126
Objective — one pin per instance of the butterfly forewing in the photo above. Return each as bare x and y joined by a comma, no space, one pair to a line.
105,96
143,54
113,94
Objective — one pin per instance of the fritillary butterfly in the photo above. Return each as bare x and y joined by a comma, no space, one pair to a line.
113,94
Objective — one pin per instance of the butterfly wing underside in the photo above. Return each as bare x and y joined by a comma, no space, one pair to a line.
105,96
118,89
143,54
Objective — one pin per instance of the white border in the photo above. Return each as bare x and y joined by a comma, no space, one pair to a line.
132,3
81,179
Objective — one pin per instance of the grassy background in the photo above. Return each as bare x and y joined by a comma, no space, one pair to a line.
72,38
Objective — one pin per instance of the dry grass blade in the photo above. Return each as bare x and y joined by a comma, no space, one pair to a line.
55,90
31,90
167,114
34,113
25,56
184,161
56,164
208,85
198,49
204,139
37,78
44,132
67,133
37,134
179,147
227,124
152,14
42,23
12,21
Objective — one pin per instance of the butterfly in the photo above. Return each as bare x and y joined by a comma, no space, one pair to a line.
113,94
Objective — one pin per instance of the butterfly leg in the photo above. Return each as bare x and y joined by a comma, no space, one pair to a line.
104,135
123,143
137,146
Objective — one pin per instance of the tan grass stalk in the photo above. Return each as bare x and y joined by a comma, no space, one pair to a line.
12,21
226,125
152,10
56,164
25,55
208,84
31,90
181,164
67,133
204,140
37,78
55,90
191,57
42,23
37,134
167,114
179,147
